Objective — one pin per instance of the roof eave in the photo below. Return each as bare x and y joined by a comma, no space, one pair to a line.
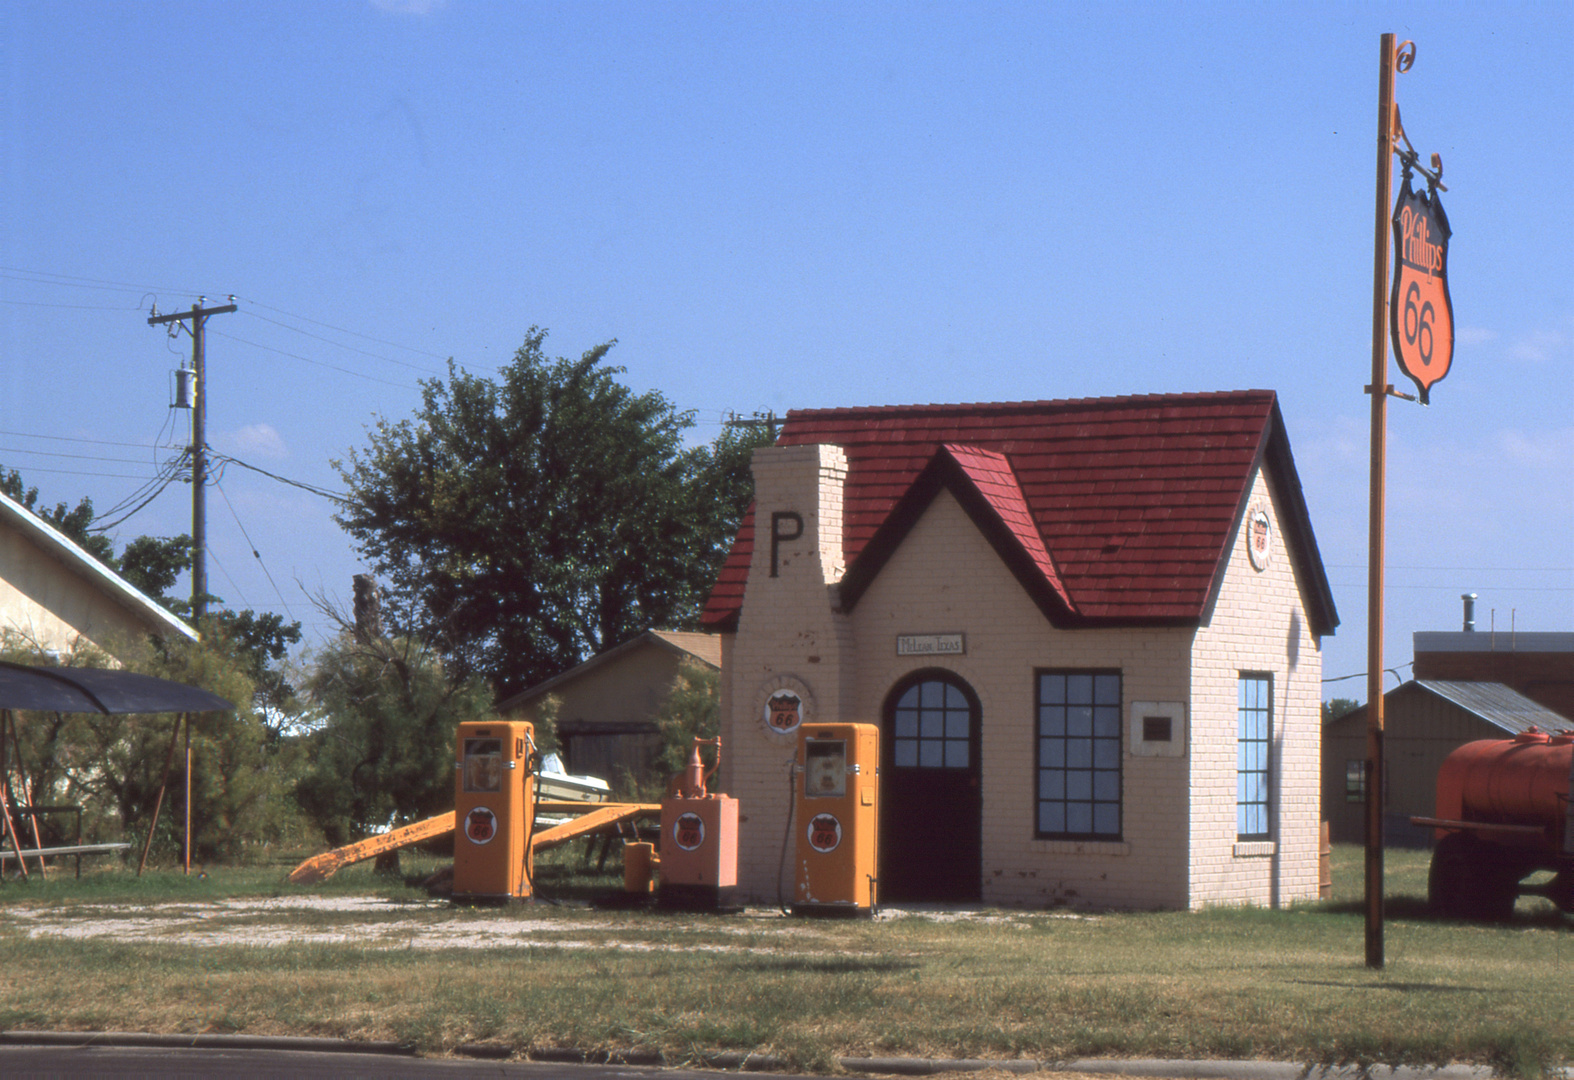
644,637
74,556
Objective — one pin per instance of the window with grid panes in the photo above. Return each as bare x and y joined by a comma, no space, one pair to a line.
1254,734
932,727
1079,751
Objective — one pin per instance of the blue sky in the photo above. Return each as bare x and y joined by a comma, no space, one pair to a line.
774,206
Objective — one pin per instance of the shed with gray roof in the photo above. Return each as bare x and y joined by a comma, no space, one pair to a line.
1424,721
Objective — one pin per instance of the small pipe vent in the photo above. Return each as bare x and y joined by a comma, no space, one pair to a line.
1470,612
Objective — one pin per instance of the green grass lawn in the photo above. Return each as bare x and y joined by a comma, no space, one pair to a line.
1222,983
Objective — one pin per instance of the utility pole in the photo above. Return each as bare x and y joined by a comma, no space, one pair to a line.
769,421
199,448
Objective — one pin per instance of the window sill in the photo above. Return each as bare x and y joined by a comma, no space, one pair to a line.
1084,847
1254,849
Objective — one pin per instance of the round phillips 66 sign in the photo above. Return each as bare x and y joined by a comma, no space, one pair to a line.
1420,312
825,832
480,825
688,832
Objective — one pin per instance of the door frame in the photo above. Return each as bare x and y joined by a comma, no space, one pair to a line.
975,770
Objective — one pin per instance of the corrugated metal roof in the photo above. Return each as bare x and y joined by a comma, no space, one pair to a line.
1497,704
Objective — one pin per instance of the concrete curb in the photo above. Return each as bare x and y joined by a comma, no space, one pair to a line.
1165,1068
202,1042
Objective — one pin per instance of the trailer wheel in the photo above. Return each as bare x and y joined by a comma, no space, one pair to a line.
1468,880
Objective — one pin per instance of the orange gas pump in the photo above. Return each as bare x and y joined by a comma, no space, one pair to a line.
494,788
837,819
699,840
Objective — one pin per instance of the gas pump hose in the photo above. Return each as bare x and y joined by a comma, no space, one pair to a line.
781,864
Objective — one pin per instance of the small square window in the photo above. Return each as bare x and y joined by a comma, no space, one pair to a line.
1354,780
1156,728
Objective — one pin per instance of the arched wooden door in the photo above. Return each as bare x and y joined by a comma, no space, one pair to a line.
931,801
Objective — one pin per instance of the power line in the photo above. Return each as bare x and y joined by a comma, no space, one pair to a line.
96,442
342,330
323,492
1456,587
349,348
168,474
255,553
319,363
223,570
81,472
61,454
71,281
69,307
1462,569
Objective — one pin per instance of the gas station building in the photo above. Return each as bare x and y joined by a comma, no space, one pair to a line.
1088,632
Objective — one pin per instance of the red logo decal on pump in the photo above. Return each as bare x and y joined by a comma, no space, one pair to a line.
480,825
825,832
688,832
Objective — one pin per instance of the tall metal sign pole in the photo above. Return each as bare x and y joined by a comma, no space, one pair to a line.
1418,316
199,450
1376,511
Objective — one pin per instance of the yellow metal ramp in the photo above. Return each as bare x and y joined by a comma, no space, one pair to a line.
594,818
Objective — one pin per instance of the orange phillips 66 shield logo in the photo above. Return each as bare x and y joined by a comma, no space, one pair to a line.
1420,313
688,832
480,825
825,833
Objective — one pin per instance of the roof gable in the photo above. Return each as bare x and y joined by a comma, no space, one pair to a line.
701,648
1135,497
60,547
983,483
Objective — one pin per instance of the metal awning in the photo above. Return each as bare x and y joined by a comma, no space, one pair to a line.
99,690
103,691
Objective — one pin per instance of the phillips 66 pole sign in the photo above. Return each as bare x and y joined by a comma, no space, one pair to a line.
1420,314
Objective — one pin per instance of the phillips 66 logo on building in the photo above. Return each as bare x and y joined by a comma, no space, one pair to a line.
1420,313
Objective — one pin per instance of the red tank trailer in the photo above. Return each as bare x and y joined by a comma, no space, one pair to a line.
1503,814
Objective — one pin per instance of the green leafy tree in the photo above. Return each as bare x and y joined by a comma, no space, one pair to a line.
153,564
73,521
524,523
1334,708
692,710
384,751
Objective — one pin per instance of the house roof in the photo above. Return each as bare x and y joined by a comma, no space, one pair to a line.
1493,702
704,648
1497,704
1111,511
70,554
1483,641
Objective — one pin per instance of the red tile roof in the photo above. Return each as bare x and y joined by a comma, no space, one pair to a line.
1112,511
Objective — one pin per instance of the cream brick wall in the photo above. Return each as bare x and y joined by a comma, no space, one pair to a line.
946,578
1257,624
788,636
1178,815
